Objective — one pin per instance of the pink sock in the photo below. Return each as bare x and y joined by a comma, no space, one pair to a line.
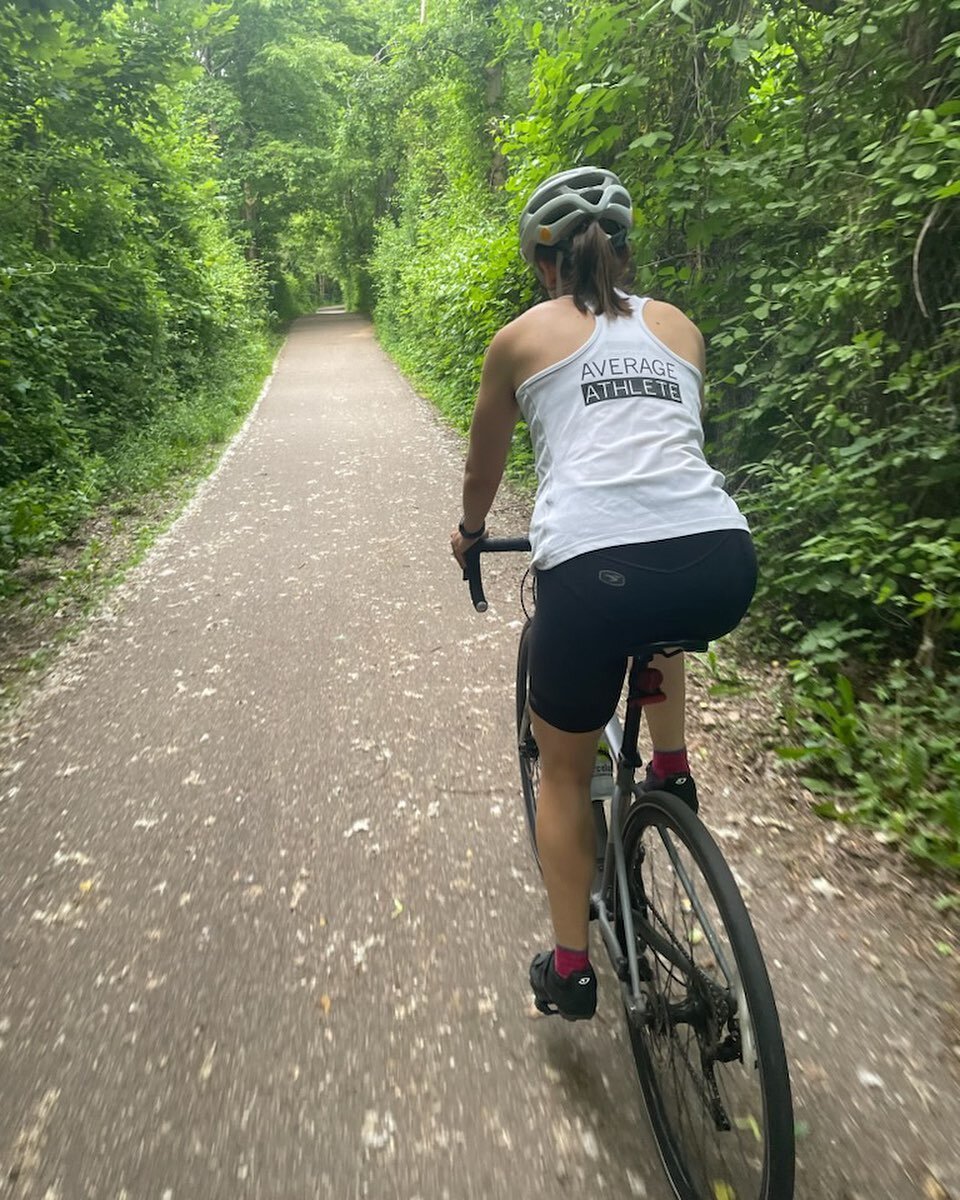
670,762
565,961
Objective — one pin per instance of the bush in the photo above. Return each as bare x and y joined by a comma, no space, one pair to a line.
126,304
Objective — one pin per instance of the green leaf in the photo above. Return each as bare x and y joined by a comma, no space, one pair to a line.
648,140
818,787
794,752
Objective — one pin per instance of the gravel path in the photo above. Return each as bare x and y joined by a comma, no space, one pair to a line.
265,900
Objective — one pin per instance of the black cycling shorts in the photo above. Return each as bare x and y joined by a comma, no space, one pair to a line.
594,610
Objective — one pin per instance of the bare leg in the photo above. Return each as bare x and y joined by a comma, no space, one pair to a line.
565,833
667,720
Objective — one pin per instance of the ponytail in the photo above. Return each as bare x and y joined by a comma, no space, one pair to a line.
591,270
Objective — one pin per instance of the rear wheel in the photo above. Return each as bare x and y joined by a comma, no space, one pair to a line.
527,750
707,1045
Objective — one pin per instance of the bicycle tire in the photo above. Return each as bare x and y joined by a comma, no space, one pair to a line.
527,751
699,1172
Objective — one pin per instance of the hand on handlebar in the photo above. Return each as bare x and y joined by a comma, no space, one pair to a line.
467,552
460,545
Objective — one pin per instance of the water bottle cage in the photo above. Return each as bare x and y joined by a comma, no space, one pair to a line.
645,688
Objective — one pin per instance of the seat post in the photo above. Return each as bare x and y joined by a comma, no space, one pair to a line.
629,753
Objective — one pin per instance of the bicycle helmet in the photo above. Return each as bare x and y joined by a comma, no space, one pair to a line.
561,203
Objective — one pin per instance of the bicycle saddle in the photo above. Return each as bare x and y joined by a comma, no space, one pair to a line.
668,649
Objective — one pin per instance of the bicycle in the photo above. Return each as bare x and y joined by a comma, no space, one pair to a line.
698,1004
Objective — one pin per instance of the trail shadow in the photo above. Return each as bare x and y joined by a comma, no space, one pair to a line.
347,324
596,1073
325,316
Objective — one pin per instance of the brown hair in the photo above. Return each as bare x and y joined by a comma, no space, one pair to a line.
591,270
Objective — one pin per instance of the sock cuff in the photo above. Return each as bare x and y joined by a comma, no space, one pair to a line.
566,961
670,762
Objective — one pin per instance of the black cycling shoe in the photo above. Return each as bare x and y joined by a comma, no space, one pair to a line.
574,998
681,786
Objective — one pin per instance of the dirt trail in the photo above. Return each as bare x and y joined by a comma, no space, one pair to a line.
265,902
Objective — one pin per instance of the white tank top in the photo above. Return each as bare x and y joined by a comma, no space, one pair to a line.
618,446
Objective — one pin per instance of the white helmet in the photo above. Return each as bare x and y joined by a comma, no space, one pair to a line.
560,204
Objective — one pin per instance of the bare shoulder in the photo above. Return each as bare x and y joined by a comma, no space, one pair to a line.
508,345
528,342
514,331
534,318
677,330
668,316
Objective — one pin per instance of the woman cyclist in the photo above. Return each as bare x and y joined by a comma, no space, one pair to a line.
633,537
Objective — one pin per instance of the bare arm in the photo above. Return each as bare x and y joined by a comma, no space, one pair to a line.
491,430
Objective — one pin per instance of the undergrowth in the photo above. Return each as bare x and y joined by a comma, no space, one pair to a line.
117,516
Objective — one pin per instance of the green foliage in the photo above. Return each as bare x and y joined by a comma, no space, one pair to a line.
123,296
446,273
795,175
892,761
724,679
276,83
814,246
